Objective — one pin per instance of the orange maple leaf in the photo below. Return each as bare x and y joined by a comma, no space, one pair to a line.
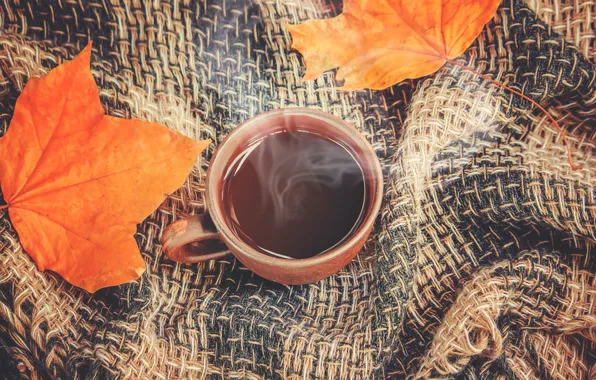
377,43
77,182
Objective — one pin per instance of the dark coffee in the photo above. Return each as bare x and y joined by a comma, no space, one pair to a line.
294,194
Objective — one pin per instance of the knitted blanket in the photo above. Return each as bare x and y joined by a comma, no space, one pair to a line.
481,265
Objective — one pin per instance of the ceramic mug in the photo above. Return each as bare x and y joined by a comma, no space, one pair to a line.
191,240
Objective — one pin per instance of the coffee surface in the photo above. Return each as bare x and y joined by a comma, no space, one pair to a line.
294,194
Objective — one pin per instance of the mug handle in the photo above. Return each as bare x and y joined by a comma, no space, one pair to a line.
178,238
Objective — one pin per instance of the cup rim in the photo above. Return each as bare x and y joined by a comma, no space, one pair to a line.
237,245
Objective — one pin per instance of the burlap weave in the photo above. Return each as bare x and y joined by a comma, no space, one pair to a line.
481,266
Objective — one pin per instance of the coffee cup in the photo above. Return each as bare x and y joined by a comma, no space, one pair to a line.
312,191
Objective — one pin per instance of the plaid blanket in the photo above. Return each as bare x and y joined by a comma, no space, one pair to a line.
481,265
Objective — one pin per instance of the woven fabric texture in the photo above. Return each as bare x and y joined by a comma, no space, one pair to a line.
481,265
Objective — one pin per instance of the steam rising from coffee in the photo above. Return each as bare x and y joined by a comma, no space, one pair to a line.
305,191
313,167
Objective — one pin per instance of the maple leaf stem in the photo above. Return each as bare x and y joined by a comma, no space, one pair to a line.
552,119
3,207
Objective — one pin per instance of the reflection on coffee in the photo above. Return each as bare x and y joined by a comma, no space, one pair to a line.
294,194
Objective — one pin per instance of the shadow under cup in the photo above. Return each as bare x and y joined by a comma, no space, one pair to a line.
279,269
